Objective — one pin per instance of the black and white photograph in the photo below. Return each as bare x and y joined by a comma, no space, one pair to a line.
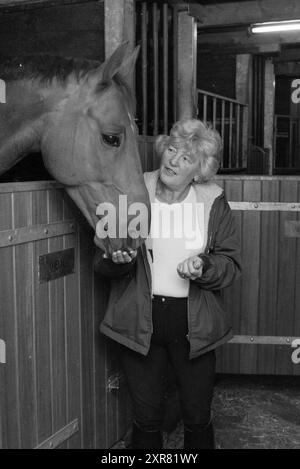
149,228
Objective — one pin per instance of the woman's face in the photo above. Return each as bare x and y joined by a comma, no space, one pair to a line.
178,167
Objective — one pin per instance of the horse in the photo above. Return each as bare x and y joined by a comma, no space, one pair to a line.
79,114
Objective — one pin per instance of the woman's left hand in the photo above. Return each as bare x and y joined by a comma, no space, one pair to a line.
190,268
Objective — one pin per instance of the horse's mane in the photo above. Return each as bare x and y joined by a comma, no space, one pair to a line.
45,67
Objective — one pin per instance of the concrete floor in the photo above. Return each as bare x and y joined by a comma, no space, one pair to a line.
251,412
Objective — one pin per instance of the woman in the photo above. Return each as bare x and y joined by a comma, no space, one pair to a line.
165,303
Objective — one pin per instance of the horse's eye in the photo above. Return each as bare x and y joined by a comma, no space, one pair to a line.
112,140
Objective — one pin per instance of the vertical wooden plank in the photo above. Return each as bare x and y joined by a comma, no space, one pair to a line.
112,396
243,89
9,398
175,59
87,335
269,105
296,368
165,66
23,267
286,279
268,277
245,136
230,135
237,127
42,326
56,305
101,293
144,67
250,278
232,295
187,51
155,19
73,339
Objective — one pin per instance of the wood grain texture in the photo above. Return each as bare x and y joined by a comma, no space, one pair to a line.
268,278
286,278
44,389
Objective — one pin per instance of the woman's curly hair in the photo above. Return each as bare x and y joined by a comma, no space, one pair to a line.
197,138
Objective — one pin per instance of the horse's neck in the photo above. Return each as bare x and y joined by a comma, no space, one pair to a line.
21,120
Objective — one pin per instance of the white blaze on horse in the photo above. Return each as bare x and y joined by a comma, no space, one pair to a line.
79,115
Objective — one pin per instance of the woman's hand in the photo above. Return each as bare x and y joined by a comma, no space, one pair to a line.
190,268
122,257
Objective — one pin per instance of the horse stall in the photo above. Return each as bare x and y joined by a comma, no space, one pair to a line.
60,381
57,374
60,385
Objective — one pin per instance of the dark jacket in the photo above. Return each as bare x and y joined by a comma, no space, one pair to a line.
128,318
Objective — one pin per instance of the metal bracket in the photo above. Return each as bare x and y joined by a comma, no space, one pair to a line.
60,436
2,351
114,382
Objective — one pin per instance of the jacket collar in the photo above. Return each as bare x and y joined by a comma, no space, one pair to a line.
208,191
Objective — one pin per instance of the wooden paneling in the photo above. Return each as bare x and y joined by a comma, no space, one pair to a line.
264,303
57,363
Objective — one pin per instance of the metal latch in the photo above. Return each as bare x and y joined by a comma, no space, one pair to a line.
2,351
114,382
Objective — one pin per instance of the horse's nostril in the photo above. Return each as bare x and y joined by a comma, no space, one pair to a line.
106,227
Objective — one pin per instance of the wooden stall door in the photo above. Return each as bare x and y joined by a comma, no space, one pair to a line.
59,386
39,322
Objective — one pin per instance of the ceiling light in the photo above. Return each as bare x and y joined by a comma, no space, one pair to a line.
275,27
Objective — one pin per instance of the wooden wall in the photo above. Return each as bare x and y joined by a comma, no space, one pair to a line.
264,303
54,382
67,29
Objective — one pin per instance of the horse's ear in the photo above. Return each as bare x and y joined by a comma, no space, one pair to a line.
118,62
128,64
111,65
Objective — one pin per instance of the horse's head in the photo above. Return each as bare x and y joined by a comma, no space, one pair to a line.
89,144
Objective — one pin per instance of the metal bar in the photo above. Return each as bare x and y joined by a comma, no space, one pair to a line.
36,232
230,135
8,187
290,143
155,58
2,351
175,59
245,130
266,340
214,112
166,65
237,126
288,116
144,67
223,129
59,437
266,206
204,107
219,96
